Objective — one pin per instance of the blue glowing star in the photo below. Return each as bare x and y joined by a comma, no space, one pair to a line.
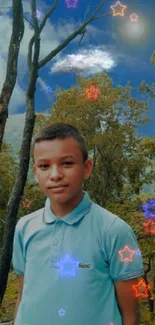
48,89
138,252
149,209
62,312
71,3
67,266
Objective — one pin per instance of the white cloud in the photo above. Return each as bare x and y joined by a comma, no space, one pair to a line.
88,61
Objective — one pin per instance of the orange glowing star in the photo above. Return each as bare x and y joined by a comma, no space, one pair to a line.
26,203
92,92
126,254
120,9
150,226
133,17
141,289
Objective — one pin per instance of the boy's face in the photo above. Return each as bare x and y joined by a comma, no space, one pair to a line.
53,169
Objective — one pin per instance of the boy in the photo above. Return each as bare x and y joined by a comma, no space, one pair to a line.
76,261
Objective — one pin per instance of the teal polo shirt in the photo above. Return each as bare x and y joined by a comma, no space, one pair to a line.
70,265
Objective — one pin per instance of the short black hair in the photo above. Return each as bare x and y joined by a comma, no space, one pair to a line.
61,131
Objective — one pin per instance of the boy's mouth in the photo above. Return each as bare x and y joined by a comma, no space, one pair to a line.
57,187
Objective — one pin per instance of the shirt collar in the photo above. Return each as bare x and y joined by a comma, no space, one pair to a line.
74,216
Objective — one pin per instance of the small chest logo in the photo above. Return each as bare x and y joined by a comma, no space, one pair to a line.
84,265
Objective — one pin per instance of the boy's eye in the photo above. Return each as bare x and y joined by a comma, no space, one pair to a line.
66,162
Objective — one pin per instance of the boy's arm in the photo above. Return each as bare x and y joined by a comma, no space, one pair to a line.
21,282
16,307
128,302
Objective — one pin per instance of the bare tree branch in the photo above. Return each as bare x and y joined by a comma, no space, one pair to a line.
42,24
28,21
69,38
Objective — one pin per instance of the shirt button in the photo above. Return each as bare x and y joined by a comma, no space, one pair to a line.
55,242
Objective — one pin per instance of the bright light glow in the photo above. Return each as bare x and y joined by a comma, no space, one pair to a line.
118,9
134,30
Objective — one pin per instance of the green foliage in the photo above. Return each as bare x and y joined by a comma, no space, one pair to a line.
37,199
7,178
8,306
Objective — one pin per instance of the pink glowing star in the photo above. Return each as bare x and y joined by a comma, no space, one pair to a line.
150,226
26,203
141,289
92,92
133,17
126,254
118,9
71,3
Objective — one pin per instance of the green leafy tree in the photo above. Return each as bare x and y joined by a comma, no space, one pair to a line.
109,123
7,176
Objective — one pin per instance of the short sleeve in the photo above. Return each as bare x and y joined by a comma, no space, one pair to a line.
124,256
18,258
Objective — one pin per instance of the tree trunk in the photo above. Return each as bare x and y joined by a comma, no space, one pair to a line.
15,198
11,74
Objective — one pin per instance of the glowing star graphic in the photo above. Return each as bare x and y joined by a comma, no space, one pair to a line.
62,312
71,3
150,226
26,203
120,11
133,17
126,254
141,289
48,89
92,92
37,14
149,209
138,252
67,266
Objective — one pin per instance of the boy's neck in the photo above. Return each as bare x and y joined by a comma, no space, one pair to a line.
61,210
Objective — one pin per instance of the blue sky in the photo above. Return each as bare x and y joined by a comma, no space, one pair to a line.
114,45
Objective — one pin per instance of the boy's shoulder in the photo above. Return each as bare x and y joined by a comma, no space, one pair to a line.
28,218
107,218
